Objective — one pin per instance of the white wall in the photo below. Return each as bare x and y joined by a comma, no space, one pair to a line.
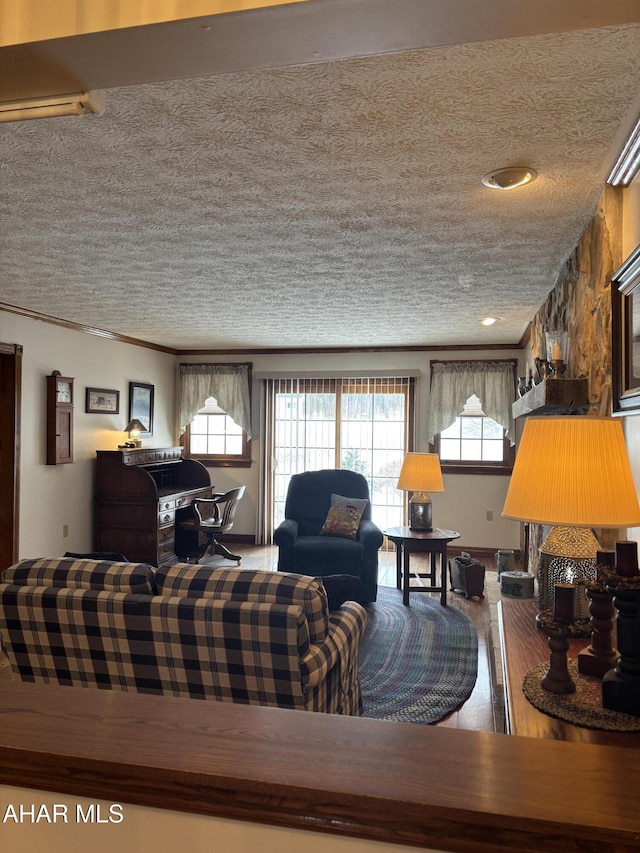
462,506
55,495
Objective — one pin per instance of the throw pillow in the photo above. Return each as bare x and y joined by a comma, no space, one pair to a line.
341,588
343,518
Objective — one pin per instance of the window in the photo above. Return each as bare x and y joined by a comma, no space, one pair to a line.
215,407
467,439
473,438
213,436
362,424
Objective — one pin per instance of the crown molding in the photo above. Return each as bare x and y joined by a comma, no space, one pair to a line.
80,327
347,349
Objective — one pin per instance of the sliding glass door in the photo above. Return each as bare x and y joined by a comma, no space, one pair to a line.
362,424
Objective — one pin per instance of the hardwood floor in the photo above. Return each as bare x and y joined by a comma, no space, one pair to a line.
482,712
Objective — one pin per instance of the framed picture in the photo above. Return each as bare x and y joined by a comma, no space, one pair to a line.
625,336
141,405
102,401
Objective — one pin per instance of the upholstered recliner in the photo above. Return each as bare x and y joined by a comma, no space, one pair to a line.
303,550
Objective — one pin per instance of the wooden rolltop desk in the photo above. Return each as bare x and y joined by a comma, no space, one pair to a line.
139,494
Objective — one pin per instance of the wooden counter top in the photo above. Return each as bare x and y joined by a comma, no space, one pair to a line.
523,646
389,782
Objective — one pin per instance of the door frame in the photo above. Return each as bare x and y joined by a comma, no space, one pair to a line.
10,408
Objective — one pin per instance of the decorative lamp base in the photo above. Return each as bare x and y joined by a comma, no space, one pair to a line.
420,512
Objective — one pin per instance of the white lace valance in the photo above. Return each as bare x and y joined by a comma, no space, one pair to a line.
228,383
453,382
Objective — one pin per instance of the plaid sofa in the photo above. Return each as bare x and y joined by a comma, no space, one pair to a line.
235,635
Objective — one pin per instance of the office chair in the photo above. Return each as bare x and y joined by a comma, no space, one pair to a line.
211,517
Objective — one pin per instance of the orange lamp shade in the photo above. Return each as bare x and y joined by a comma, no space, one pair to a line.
421,473
573,471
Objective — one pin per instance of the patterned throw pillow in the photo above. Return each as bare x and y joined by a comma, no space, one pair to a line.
343,518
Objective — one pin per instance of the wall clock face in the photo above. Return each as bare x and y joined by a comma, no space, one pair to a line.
64,392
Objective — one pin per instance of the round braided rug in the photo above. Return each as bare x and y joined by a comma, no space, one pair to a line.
582,708
418,663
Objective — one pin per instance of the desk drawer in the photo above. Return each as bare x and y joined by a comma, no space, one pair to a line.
165,550
165,534
166,503
166,517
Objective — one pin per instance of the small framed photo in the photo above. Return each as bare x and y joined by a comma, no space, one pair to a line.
141,405
102,401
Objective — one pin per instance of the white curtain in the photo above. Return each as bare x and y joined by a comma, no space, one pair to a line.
453,382
228,383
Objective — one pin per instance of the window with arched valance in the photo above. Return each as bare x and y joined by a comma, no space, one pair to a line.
472,400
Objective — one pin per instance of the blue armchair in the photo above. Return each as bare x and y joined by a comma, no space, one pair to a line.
304,551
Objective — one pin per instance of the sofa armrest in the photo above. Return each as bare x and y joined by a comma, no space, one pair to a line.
286,532
285,536
370,535
346,626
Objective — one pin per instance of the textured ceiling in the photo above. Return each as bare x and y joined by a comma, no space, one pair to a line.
322,205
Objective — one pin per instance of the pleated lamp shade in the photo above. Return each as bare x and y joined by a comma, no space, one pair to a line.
421,473
573,471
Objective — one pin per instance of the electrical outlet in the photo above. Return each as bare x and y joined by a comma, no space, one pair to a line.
65,531
489,515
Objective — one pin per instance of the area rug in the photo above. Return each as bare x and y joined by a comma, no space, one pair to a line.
417,663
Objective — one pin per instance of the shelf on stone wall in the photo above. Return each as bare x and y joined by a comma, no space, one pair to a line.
554,396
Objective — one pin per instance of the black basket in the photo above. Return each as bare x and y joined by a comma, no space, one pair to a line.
467,576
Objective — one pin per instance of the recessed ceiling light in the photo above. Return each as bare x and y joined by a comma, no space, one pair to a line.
509,178
489,321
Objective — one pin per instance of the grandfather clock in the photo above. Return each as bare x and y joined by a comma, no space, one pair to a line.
59,419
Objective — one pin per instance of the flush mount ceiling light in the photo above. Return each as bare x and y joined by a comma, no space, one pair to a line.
509,178
74,104
627,165
489,321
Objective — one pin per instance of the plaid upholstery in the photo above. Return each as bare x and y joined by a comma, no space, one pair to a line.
329,667
245,651
82,574
246,585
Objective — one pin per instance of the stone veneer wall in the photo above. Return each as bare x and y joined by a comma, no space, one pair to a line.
580,303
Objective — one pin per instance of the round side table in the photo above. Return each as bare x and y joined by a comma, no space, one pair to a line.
433,542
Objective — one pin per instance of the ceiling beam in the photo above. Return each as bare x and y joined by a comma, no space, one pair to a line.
280,36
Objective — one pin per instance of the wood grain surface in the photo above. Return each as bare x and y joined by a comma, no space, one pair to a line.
390,782
523,646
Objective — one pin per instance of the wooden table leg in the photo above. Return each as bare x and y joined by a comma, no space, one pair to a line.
398,564
407,575
443,575
433,568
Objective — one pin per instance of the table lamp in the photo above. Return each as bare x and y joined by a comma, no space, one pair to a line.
419,475
134,428
572,473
